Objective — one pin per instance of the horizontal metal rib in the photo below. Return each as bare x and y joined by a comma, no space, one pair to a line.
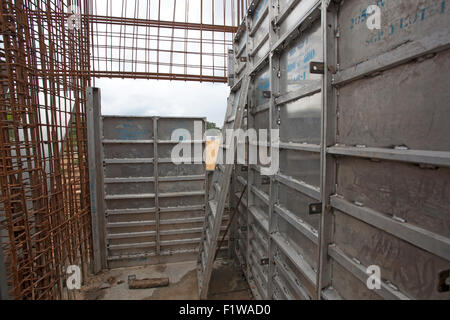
182,160
300,186
128,180
303,23
128,235
438,158
300,147
132,245
261,63
182,221
257,232
153,244
237,85
259,217
181,142
129,161
259,269
258,23
241,50
130,196
130,211
427,240
307,230
180,242
259,45
130,224
402,54
111,141
310,88
182,208
260,108
242,66
282,288
261,195
151,254
257,281
182,178
181,194
295,258
359,271
180,231
295,283
282,16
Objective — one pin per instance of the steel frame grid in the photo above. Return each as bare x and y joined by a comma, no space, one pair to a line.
45,216
170,40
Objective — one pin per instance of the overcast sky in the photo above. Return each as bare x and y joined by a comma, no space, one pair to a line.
163,98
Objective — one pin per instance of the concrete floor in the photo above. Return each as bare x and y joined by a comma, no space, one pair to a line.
227,283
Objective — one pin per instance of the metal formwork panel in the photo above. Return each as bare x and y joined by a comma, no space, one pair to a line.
373,157
298,103
154,208
387,204
282,238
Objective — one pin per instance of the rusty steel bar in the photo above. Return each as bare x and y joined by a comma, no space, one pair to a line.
153,46
45,214
45,68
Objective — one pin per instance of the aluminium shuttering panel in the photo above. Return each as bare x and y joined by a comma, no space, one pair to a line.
153,208
374,141
388,151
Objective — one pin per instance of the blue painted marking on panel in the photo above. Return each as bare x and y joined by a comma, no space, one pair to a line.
291,66
263,84
407,21
299,58
259,9
309,56
130,132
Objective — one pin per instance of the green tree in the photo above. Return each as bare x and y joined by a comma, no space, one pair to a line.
211,125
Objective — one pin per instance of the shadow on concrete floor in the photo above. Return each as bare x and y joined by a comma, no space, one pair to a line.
227,283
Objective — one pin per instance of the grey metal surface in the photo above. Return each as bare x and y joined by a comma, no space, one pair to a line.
93,114
389,202
153,208
372,147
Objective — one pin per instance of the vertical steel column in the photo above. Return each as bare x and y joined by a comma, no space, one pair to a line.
251,171
328,165
94,129
274,123
156,175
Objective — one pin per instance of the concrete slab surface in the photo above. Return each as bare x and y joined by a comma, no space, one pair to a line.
227,283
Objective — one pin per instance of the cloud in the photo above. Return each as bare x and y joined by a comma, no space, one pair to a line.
163,98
